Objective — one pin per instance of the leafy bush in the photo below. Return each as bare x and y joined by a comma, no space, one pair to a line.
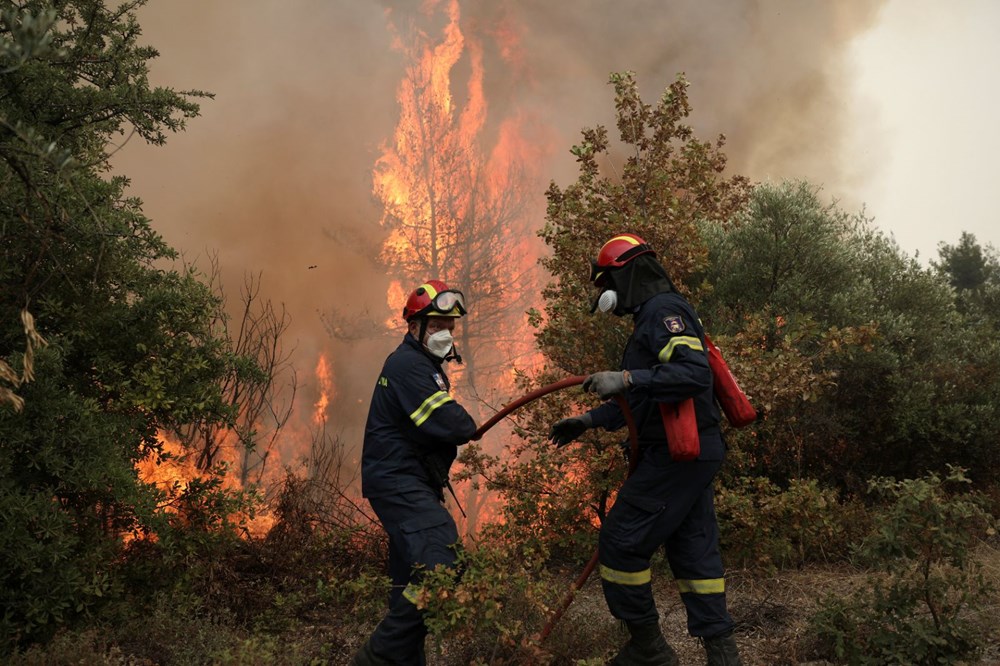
921,607
762,525
200,593
131,349
848,345
501,598
56,545
550,499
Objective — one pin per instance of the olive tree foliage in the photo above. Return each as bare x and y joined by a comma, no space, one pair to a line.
973,271
859,356
131,349
657,181
790,252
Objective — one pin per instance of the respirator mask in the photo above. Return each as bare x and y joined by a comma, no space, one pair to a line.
607,301
440,343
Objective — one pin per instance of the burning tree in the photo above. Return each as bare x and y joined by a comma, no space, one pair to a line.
456,207
453,209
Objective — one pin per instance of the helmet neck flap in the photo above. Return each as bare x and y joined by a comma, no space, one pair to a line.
636,282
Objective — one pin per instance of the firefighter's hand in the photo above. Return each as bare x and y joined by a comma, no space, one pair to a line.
565,431
606,384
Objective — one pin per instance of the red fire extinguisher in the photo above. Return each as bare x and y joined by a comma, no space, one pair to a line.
681,426
679,421
732,399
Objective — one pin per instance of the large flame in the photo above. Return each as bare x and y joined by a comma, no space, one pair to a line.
422,178
395,298
174,470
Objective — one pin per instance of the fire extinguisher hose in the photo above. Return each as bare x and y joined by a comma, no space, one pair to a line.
632,460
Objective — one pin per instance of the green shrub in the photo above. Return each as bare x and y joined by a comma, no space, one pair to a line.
922,602
502,597
762,525
64,488
80,648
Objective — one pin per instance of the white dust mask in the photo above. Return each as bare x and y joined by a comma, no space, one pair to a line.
607,301
440,343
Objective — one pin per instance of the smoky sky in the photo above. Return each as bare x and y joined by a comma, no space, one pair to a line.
275,176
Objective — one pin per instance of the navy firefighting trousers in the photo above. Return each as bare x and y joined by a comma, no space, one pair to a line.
422,534
665,503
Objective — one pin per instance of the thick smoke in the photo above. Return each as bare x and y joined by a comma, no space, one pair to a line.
275,174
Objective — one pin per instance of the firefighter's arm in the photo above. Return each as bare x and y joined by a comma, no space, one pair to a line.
608,416
682,369
436,416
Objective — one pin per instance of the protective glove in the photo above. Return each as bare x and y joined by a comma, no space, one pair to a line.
607,383
565,431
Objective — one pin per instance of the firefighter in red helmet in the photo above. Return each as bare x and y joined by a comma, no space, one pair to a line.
412,436
664,501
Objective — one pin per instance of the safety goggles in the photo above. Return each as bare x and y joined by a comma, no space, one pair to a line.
446,301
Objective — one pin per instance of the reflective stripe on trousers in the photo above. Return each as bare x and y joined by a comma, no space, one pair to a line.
667,504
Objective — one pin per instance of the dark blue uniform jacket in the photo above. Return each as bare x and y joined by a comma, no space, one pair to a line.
414,426
668,363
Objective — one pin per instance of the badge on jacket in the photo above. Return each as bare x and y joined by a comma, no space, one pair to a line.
440,381
674,323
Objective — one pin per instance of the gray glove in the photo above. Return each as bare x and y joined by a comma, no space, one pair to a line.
565,431
606,384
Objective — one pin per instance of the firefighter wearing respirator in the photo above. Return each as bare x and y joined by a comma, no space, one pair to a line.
412,436
666,501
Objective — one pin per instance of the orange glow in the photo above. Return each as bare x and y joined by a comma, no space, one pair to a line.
174,472
178,469
324,376
395,298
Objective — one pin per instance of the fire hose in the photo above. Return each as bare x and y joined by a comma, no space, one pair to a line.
632,460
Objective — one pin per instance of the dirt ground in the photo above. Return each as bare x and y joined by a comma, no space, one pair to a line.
771,615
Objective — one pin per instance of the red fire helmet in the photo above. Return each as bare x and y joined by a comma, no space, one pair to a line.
616,253
434,299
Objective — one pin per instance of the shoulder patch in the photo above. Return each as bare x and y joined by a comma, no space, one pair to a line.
674,324
439,380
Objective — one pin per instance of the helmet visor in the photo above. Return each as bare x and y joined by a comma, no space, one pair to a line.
446,302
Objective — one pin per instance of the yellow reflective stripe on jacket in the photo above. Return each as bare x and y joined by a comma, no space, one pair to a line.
428,406
703,586
625,577
410,593
685,340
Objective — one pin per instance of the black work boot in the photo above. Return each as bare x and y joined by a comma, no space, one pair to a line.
366,657
647,647
721,650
